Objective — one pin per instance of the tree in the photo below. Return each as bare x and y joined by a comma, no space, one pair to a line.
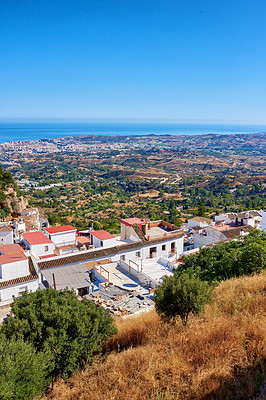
201,210
55,322
23,372
180,295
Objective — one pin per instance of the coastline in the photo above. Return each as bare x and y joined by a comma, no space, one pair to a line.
14,132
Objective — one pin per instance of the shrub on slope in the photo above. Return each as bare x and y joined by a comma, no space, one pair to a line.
220,356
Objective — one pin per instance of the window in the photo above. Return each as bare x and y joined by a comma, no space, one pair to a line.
122,258
46,248
101,243
163,247
137,253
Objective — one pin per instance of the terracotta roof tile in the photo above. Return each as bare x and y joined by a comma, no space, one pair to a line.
11,253
36,238
102,234
60,229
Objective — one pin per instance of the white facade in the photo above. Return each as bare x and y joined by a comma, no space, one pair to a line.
198,221
7,293
263,220
105,243
62,238
14,270
6,237
40,250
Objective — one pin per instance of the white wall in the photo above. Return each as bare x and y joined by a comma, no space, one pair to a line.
263,221
106,243
213,236
38,250
179,244
192,223
62,238
6,293
15,270
6,237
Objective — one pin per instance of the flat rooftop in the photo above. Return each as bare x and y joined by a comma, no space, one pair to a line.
156,271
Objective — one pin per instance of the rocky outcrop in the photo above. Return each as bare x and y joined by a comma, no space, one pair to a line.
14,202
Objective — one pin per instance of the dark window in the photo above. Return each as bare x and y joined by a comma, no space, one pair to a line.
163,247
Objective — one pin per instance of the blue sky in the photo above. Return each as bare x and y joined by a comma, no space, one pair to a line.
184,61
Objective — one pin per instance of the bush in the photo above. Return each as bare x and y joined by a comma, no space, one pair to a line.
180,295
55,322
23,373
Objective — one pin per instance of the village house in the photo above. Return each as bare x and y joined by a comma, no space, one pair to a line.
6,235
38,245
17,273
141,246
218,233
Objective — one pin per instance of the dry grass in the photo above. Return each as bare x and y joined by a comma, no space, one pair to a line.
220,356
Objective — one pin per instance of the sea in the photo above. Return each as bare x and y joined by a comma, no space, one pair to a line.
15,131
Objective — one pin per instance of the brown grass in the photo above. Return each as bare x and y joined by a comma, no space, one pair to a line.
219,356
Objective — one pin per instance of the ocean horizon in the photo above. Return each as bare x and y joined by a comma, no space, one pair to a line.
23,131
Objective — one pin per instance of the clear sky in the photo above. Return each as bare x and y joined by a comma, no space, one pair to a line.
167,60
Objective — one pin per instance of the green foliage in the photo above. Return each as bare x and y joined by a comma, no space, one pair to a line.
55,322
228,260
180,295
23,372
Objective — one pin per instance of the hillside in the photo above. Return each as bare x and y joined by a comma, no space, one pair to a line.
220,356
11,200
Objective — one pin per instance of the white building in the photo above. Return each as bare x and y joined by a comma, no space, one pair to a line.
252,218
38,244
6,235
141,246
103,239
62,235
263,220
220,232
17,273
199,221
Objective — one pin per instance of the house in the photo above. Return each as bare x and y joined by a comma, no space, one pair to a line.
263,220
199,221
220,232
6,235
101,238
142,246
252,218
38,245
62,235
17,273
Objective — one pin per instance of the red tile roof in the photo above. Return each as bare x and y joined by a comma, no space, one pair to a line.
131,221
102,234
36,238
11,253
60,229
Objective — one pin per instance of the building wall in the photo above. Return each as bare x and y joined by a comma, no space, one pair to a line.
62,238
38,250
212,236
178,244
263,221
15,270
7,293
105,243
6,237
192,223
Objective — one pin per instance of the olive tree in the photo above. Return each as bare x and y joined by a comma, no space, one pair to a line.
180,295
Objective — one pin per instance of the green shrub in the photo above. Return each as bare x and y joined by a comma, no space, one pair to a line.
23,372
180,295
56,322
